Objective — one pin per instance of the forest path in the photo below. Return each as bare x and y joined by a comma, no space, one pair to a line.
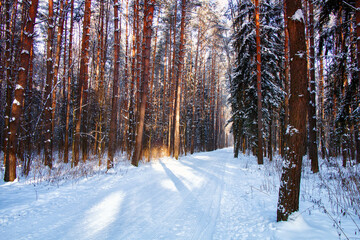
202,196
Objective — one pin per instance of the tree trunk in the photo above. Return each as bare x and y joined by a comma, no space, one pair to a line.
178,81
126,77
28,105
146,52
57,63
286,80
258,84
357,135
172,101
16,108
47,117
132,120
313,150
8,72
296,131
321,99
193,126
115,98
83,79
68,96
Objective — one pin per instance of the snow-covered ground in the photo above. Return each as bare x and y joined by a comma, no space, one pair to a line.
203,196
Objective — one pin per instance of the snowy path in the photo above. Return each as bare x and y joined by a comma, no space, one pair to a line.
203,196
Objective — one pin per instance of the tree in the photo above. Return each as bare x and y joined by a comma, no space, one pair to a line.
115,98
149,6
296,131
16,108
313,150
77,79
68,96
357,134
258,84
337,46
178,81
47,117
83,80
244,82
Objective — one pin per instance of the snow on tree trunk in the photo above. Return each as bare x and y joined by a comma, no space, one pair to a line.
16,108
296,132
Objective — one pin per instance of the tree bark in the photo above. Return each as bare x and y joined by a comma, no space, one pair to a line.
146,52
132,120
115,98
296,131
286,81
57,63
83,79
193,126
47,117
258,84
178,81
357,128
68,96
313,150
9,88
16,108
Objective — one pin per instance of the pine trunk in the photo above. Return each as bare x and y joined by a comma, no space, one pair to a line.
357,128
115,98
313,150
8,72
47,117
83,80
296,131
178,81
132,105
286,81
193,126
16,108
258,84
146,52
57,63
68,96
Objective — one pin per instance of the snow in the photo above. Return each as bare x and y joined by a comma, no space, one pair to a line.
291,130
18,87
203,196
298,16
16,102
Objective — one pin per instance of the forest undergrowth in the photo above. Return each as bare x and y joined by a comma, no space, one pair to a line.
335,190
63,172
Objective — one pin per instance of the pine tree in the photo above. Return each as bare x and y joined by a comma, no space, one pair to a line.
16,108
149,6
244,81
296,131
115,97
83,80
